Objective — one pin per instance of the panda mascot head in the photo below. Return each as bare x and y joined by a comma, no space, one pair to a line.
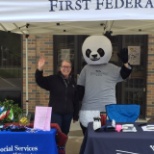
97,50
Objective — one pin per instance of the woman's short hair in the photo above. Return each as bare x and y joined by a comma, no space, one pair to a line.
66,60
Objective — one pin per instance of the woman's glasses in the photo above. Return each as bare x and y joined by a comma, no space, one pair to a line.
67,67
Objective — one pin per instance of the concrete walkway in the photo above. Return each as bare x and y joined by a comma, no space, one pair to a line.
75,139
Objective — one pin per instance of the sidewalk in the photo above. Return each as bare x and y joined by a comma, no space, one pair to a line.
75,139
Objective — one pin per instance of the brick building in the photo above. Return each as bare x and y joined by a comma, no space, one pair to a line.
43,45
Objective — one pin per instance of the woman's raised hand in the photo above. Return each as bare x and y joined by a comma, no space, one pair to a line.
41,63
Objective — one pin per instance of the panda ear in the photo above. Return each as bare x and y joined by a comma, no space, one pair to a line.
88,51
108,34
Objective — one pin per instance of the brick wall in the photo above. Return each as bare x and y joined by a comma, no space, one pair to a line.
150,78
38,45
43,45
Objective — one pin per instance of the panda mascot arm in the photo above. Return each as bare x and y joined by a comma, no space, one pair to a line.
80,90
126,69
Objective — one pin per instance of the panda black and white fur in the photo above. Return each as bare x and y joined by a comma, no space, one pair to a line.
97,80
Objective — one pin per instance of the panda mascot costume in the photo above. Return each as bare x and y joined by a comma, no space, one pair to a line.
97,80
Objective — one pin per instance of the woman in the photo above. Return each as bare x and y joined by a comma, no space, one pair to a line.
62,88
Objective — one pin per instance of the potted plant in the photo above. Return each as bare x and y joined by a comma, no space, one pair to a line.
9,111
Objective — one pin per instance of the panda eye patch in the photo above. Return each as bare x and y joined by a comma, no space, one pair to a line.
101,52
88,51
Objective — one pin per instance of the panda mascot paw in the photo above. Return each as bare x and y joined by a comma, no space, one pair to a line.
123,55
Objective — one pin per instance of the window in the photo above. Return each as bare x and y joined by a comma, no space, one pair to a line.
10,66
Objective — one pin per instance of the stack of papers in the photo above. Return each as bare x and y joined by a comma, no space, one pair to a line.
128,128
148,128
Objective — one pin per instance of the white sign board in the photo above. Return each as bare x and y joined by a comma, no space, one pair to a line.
134,53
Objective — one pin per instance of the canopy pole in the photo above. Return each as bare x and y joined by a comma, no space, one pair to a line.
27,99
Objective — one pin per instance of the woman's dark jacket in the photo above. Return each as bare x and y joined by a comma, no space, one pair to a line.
63,97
